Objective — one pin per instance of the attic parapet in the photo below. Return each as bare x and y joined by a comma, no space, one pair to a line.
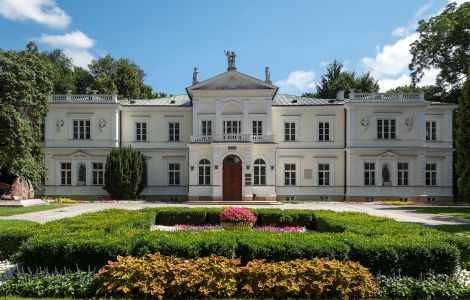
77,98
384,97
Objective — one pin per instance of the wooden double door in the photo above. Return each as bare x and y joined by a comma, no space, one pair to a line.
232,182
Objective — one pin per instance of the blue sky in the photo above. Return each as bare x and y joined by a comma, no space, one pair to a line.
295,38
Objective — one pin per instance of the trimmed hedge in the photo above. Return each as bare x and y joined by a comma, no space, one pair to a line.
12,234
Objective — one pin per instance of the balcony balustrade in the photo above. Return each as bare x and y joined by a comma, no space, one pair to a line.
232,138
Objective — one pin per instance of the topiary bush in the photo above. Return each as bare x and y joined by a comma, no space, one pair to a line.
12,234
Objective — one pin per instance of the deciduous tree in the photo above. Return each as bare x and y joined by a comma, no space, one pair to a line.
462,142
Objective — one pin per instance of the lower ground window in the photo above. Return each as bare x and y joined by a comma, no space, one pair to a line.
432,199
174,172
324,198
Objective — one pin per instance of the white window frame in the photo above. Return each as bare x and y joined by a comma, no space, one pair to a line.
141,137
259,127
179,172
95,173
81,129
401,174
208,129
232,122
431,182
262,179
321,170
436,126
296,131
176,136
323,119
68,173
296,183
390,131
374,178
206,172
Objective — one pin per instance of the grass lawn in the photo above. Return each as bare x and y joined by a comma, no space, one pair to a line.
458,212
11,211
463,229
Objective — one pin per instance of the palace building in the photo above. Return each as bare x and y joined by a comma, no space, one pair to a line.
234,137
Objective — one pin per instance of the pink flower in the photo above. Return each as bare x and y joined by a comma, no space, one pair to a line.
237,215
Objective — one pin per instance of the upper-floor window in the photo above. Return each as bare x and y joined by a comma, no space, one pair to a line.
403,174
323,174
386,129
369,173
98,173
289,131
257,128
173,131
232,127
81,129
431,131
431,174
259,172
206,127
290,174
140,131
204,172
65,173
174,174
324,131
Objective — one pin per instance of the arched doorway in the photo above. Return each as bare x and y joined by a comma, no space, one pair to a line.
232,178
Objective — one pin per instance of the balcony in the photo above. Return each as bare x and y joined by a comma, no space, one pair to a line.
232,138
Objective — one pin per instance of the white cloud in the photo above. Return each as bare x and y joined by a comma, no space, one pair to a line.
76,45
41,11
400,31
297,82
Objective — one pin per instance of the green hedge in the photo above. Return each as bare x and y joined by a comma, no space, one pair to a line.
12,234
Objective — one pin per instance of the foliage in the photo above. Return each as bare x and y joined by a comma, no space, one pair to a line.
24,86
237,215
214,276
62,75
432,287
462,140
65,200
337,78
397,202
444,44
125,173
50,284
12,234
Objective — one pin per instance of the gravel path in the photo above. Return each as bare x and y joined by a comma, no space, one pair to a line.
399,213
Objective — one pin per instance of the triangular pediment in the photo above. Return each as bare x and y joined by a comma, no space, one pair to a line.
79,154
388,154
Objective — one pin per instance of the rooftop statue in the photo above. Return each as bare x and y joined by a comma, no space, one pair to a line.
230,60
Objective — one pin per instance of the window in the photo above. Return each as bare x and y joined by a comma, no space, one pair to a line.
65,173
324,198
289,174
289,131
140,131
369,173
290,198
206,127
174,131
81,129
402,175
257,128
403,199
324,131
386,129
323,174
204,172
370,199
432,199
98,173
431,174
430,130
174,172
259,172
232,127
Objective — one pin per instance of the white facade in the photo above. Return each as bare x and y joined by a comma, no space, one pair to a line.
234,137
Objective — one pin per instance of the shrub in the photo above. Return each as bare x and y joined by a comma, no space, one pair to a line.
278,217
12,234
44,284
237,215
180,215
158,276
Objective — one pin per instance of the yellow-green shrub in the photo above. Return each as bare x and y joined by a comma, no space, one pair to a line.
158,276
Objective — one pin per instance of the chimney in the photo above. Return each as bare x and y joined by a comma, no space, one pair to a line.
340,95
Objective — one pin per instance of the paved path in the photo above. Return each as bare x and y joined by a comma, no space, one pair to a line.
399,213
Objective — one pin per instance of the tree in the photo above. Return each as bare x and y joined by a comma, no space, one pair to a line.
62,75
337,78
83,80
24,86
431,92
125,173
462,140
444,44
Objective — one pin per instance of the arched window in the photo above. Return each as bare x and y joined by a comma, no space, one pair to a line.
260,172
204,172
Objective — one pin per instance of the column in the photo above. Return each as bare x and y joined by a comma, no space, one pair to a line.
421,170
148,165
115,127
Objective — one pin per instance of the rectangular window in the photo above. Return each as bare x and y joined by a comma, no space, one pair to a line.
232,127
324,198
81,129
98,173
431,130
403,174
289,131
65,173
173,131
386,129
257,128
323,174
140,131
369,174
204,174
260,174
431,174
174,174
206,127
324,131
289,174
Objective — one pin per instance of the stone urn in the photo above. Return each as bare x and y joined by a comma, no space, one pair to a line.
243,226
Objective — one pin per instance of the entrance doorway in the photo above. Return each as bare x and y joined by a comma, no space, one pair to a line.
232,178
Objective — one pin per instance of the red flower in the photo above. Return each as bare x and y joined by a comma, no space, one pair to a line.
237,215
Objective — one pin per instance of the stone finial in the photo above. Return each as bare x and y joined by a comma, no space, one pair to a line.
115,92
94,92
267,75
340,95
68,92
195,76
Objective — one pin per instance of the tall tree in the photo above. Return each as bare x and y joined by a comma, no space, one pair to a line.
444,44
431,92
83,80
62,75
462,140
24,86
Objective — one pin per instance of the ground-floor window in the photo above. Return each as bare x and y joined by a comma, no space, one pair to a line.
289,174
98,173
323,174
259,172
369,173
204,172
65,173
431,174
174,174
402,175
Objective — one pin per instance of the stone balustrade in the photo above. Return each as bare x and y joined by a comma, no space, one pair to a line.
384,97
94,98
229,138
